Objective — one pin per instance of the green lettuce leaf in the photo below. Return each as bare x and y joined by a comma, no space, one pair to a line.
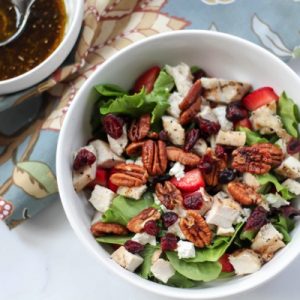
114,239
110,90
286,237
163,83
284,225
267,179
248,235
135,105
289,113
216,249
195,69
160,104
198,271
252,137
147,254
123,209
225,275
180,281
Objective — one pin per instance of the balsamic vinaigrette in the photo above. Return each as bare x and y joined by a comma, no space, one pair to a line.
43,33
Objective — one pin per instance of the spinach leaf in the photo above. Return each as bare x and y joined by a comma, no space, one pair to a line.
147,254
110,90
216,250
267,179
180,281
114,239
289,113
252,137
123,209
198,271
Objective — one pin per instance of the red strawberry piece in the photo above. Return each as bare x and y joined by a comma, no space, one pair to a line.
110,185
101,178
259,98
191,181
243,123
226,265
147,80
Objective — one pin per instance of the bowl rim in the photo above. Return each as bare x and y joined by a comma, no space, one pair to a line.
250,281
54,60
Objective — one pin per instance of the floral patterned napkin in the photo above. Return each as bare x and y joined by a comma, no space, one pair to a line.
27,156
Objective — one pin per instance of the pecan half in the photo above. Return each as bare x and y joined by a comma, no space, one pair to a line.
136,224
135,148
191,104
154,157
212,166
185,158
139,128
257,159
168,194
129,175
195,229
243,193
100,228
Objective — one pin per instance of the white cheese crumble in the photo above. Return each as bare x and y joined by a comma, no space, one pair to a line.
177,170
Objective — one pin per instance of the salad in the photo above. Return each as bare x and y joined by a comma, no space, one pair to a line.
192,178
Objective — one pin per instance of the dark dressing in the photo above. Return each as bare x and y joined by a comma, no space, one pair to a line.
43,33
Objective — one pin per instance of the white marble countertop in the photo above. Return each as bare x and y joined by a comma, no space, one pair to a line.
44,260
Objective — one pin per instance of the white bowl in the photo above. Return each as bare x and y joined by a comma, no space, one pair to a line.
220,55
74,11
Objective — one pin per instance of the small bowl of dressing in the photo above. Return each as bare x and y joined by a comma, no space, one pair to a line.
49,36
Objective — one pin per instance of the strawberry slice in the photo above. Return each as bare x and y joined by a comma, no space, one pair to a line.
101,178
226,265
243,123
191,181
259,98
147,80
110,185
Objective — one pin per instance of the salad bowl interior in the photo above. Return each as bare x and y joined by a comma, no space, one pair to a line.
220,55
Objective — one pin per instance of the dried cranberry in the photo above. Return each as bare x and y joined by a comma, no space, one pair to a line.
163,135
151,228
257,219
220,152
113,125
226,176
290,211
207,128
199,74
191,138
133,247
236,112
168,242
169,218
207,164
193,201
293,146
83,158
